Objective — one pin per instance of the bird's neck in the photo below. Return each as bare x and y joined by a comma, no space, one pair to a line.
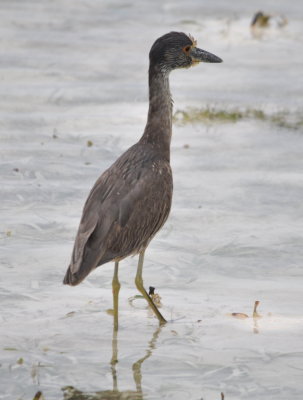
158,129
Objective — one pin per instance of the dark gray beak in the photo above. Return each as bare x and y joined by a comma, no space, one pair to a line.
199,55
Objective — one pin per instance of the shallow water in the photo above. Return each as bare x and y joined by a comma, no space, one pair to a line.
73,72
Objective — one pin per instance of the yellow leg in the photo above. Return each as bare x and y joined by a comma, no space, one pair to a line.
116,287
114,359
140,287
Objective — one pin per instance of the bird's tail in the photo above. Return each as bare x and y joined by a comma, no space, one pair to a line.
72,279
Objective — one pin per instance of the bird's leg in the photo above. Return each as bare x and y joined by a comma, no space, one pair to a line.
114,359
116,287
140,287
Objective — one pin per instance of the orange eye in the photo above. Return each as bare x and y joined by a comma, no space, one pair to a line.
186,49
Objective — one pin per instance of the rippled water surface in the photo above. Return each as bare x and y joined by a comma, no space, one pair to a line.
73,97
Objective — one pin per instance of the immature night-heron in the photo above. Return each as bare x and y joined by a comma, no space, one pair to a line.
131,200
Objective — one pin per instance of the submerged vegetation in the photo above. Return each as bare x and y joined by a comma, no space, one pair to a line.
212,115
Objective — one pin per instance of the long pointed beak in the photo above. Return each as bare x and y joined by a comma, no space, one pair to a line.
199,55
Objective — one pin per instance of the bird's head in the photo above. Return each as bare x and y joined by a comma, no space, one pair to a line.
178,50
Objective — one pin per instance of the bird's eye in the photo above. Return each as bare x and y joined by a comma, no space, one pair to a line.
186,49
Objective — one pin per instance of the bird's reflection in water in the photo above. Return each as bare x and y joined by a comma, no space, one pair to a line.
71,393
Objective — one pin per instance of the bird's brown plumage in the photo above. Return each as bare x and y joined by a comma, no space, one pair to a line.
126,207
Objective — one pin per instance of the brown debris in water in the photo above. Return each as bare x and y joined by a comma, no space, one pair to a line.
151,290
156,298
38,396
255,313
239,315
244,316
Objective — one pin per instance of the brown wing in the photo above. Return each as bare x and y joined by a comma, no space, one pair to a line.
142,212
128,204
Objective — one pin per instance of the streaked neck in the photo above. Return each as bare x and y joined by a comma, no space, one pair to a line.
158,128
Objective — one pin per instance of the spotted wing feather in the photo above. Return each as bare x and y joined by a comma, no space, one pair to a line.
128,204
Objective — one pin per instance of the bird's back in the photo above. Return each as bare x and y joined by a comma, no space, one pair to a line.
128,204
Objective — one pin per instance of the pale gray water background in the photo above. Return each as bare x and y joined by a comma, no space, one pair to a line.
73,71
